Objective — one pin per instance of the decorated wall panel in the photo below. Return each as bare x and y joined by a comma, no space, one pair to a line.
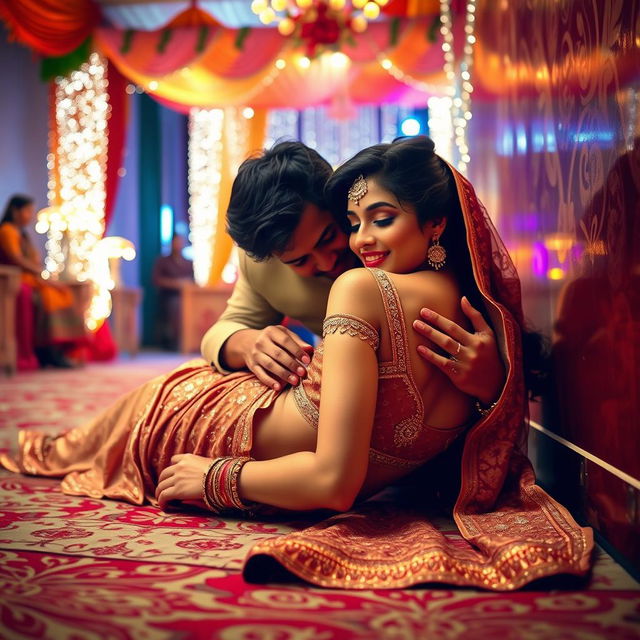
557,126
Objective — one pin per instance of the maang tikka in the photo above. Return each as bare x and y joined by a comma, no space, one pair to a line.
436,254
358,189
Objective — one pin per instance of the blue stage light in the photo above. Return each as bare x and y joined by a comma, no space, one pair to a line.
410,126
166,225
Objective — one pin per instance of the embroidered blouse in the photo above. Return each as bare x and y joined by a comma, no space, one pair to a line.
400,438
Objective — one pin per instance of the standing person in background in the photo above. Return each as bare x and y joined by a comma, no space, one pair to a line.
170,274
59,327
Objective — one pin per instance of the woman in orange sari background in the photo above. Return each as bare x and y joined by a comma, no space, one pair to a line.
59,327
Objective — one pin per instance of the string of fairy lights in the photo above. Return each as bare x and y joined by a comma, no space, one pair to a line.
218,140
288,14
205,164
75,225
460,86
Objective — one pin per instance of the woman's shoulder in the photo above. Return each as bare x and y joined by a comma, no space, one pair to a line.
9,234
9,228
435,289
356,292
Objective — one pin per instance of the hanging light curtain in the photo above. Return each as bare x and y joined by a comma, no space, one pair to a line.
219,140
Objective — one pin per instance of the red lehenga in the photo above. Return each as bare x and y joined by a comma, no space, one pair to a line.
517,531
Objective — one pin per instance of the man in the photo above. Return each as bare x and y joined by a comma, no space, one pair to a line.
291,251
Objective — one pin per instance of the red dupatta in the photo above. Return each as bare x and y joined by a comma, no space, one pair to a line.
517,533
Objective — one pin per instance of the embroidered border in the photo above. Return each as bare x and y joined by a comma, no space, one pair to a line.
353,326
392,461
308,410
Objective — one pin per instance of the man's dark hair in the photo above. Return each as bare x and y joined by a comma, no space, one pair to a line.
269,195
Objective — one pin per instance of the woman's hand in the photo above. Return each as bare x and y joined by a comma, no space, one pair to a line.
182,480
474,365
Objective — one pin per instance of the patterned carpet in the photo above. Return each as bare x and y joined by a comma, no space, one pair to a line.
76,568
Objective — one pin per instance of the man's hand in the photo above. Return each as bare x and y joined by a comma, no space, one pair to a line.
474,365
276,355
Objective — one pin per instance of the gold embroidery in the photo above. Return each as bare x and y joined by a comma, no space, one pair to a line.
355,327
406,432
392,461
308,410
317,563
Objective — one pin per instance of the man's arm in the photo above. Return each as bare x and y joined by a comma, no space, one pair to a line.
474,365
248,335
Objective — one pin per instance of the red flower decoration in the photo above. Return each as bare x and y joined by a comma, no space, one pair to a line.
321,27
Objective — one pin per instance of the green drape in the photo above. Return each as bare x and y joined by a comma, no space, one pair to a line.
149,177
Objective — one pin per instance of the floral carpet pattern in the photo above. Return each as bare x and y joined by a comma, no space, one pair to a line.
77,568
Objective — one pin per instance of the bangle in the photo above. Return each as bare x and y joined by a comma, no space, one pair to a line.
485,410
220,484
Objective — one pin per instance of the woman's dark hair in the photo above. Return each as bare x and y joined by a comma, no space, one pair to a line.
410,169
269,195
16,202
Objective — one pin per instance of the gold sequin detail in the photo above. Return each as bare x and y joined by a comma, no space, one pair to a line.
308,410
407,431
355,327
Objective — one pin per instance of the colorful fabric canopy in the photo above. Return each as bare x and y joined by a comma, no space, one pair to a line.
187,67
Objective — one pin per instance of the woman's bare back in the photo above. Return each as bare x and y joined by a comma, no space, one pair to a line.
282,429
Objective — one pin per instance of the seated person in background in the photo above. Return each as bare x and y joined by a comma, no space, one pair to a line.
170,274
59,326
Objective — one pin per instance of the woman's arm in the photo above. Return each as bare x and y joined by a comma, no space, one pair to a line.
332,476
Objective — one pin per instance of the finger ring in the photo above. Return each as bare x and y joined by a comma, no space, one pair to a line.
458,350
454,369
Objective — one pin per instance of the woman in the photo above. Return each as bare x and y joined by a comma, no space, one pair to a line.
59,328
365,416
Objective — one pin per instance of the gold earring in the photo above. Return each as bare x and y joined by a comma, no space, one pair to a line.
436,254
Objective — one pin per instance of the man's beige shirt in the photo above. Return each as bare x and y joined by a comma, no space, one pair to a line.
264,294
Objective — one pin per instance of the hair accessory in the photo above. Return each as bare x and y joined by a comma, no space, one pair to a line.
436,254
358,190
220,484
